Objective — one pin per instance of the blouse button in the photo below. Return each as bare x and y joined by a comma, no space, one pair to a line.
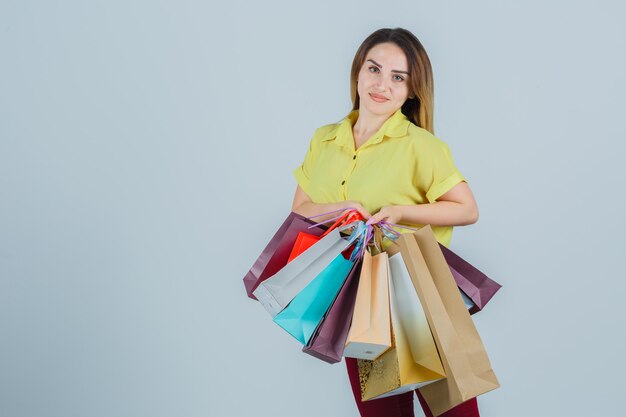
343,182
354,157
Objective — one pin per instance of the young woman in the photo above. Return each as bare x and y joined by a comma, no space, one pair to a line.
384,160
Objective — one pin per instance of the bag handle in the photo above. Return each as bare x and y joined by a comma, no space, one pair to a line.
378,239
350,216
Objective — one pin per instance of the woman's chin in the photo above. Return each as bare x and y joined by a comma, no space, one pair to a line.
379,109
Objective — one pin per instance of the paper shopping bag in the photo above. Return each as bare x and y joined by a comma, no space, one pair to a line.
329,339
303,242
478,287
465,362
412,361
276,253
370,331
306,240
277,291
303,314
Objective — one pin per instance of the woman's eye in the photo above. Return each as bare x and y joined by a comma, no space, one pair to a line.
373,69
399,78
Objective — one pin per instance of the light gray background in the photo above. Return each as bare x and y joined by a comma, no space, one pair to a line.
146,157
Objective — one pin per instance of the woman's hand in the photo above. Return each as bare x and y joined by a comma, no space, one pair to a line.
357,206
457,207
391,214
303,205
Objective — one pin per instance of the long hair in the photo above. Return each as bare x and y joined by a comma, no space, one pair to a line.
419,109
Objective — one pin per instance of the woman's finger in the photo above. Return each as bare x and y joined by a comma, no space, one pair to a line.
373,220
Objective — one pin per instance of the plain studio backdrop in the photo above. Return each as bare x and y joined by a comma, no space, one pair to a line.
146,158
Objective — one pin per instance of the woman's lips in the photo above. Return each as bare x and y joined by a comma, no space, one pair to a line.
378,98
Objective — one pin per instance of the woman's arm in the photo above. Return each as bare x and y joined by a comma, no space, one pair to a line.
303,205
457,207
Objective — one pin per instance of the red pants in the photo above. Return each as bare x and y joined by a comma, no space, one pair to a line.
400,405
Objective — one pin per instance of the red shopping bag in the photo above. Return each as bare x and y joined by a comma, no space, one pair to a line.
306,240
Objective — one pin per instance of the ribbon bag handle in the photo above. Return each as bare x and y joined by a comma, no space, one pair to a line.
348,217
378,239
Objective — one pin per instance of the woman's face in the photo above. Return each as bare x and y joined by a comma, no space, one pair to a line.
383,79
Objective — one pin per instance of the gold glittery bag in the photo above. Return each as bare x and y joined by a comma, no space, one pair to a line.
413,360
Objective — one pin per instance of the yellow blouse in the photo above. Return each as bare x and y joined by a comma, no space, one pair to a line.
402,164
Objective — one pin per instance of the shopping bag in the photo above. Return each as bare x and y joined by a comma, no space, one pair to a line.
412,361
303,242
477,286
370,330
303,314
277,291
277,251
306,240
465,361
469,279
328,341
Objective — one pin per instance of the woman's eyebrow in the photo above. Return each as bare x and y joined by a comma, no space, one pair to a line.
380,66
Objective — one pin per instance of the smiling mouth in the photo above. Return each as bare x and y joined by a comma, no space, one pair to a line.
378,98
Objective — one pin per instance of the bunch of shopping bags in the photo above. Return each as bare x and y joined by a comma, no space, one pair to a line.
399,302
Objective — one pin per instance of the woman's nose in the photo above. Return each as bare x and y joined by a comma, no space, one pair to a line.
381,83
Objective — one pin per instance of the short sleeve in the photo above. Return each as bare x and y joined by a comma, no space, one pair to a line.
303,172
445,174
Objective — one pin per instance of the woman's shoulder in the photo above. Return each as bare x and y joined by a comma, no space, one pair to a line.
325,132
422,138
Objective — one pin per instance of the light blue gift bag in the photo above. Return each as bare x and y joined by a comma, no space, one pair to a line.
304,313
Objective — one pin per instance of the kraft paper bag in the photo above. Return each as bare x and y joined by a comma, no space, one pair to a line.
370,331
478,287
412,361
465,361
328,341
469,279
276,253
277,291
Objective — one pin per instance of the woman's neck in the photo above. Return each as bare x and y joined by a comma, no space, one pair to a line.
366,125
